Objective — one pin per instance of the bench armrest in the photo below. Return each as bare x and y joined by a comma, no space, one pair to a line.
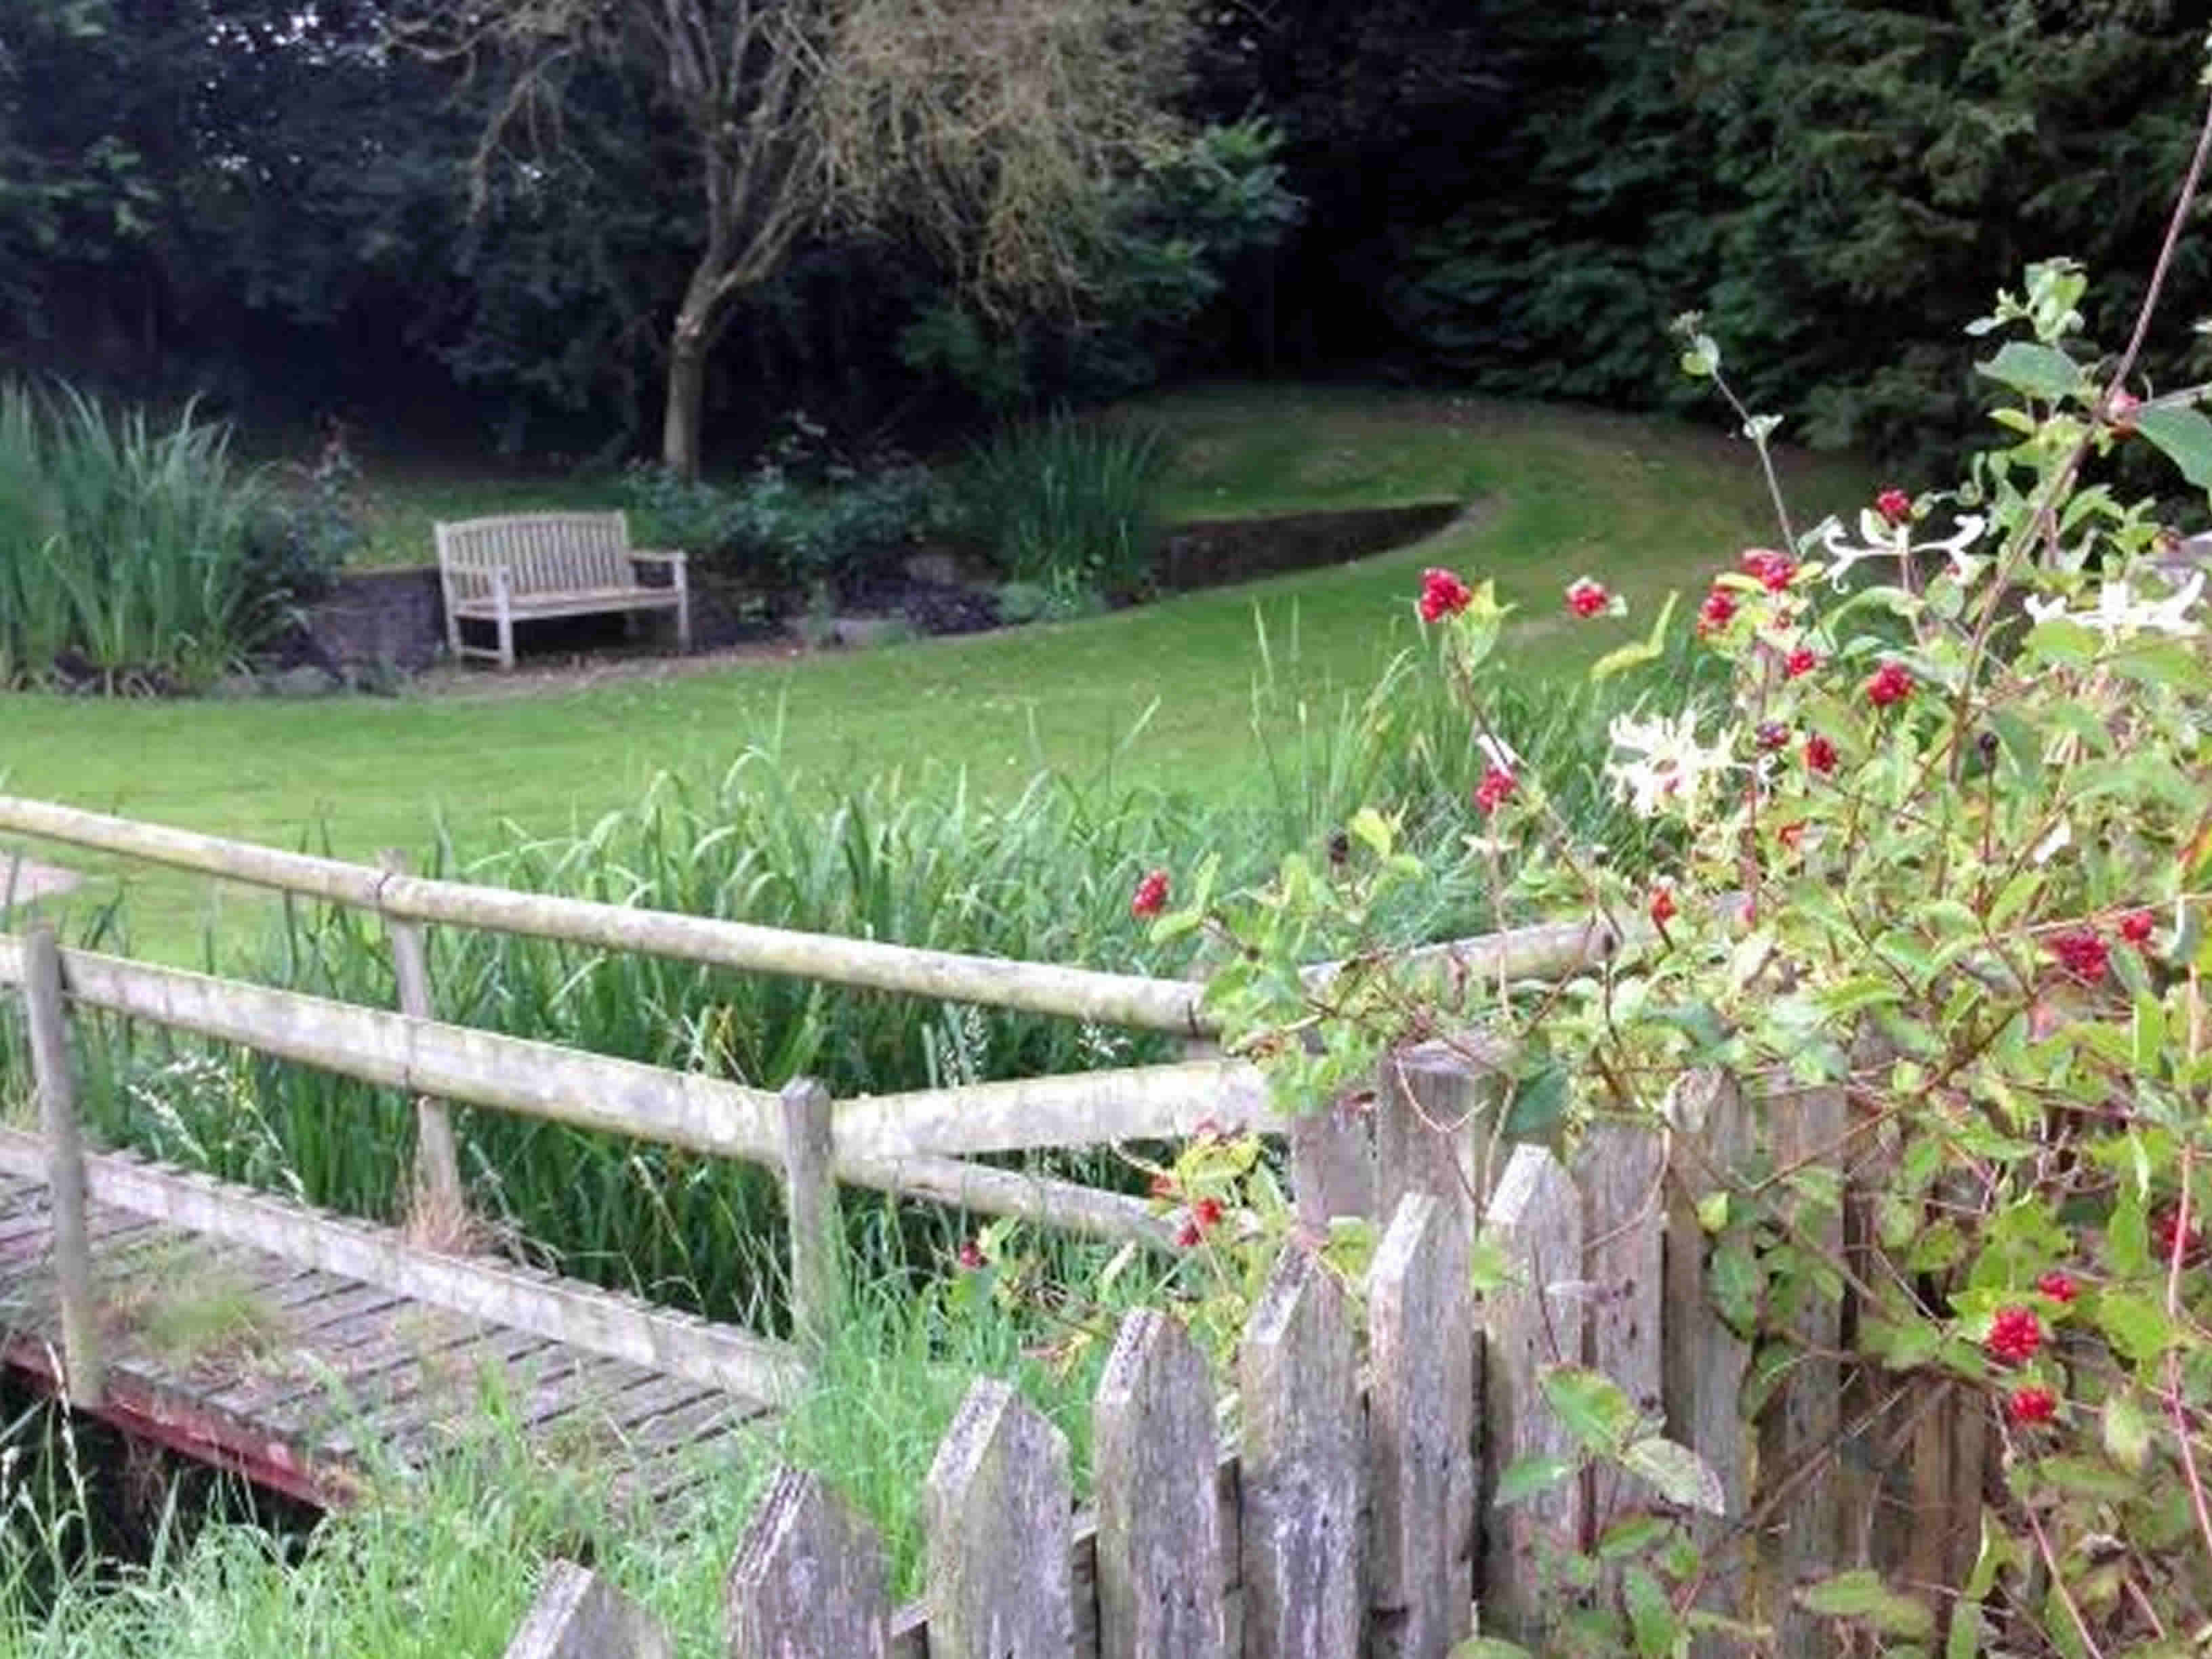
658,554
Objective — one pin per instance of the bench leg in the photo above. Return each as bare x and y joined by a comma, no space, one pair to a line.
506,626
682,612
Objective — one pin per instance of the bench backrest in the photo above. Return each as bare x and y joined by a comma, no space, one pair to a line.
544,552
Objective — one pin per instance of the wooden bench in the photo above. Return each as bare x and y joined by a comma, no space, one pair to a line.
533,565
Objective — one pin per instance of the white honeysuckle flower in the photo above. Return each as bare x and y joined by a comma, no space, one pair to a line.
2118,614
1877,540
1498,752
1671,770
2060,838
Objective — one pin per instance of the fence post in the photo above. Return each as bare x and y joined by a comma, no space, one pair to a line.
579,1615
440,1206
810,1196
1421,1432
1435,1105
1703,1361
1332,1155
1304,1457
50,1065
808,1579
999,1510
1621,1171
1155,1447
1535,1322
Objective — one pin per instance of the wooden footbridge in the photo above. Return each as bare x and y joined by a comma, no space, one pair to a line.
353,1341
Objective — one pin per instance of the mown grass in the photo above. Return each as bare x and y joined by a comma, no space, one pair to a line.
1160,695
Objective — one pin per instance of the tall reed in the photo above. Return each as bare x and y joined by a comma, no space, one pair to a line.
1071,501
122,548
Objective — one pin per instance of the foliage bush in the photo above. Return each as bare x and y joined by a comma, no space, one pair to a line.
1069,504
801,518
125,557
1938,850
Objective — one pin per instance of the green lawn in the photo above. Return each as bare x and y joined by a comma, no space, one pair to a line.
1649,506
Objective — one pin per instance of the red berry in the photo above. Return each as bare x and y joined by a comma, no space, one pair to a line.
1771,569
1820,755
2082,953
1586,597
1151,894
1894,505
1206,1214
1891,682
2028,1407
1496,786
1716,612
1163,1186
2136,927
1188,1238
2166,1236
1443,594
971,1255
2058,1286
2015,1336
1799,663
1662,906
1790,834
2120,410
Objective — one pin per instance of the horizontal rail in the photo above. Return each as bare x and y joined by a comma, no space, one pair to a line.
1123,1000
521,1298
1082,1109
542,1079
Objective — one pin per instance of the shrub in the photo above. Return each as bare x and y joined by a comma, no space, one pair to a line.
307,527
123,558
1063,501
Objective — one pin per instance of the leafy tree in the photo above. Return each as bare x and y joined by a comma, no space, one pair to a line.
990,135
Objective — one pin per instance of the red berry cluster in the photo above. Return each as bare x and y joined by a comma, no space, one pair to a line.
2058,1286
2015,1335
1772,571
2170,1239
1497,787
1205,1216
2136,927
2031,1406
1891,682
1716,612
1799,663
1151,894
1586,597
1443,594
1820,755
2082,953
1895,506
1662,906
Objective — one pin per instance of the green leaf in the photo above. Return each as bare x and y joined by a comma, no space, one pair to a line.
1861,1595
2137,1325
1540,1102
1371,827
1651,1617
1964,1641
1681,1475
1652,646
2085,1478
1526,1476
1591,1407
2039,371
2184,437
1632,1536
2127,1432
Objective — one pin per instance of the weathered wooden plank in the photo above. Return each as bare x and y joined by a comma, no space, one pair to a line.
64,1163
579,1615
1305,1446
809,1579
998,1511
1154,1446
1435,1113
539,1080
809,1197
1703,1361
1421,1433
621,1327
1532,1325
1066,1205
1332,1159
1038,987
1087,1109
438,1208
1800,1428
1620,1170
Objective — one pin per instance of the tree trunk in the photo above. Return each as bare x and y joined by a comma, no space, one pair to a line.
687,397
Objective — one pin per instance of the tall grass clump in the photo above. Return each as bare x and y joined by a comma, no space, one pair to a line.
123,557
1070,504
